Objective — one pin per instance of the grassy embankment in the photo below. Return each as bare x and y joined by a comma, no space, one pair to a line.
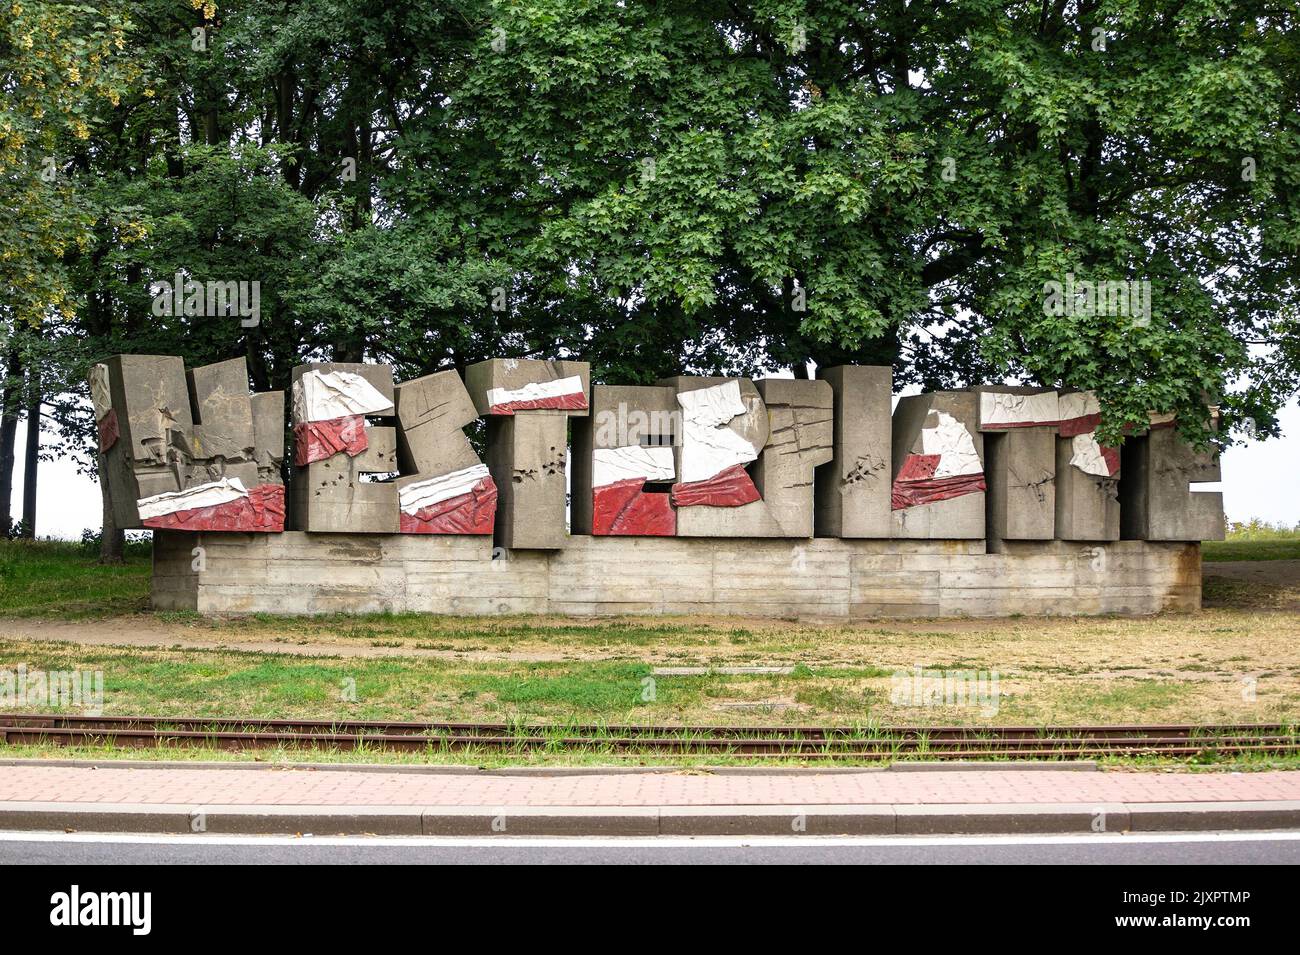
1168,668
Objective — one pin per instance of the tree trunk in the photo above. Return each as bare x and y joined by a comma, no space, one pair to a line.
112,540
9,404
31,458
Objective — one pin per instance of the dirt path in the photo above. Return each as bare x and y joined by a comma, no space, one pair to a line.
1275,573
144,631
1231,587
1263,584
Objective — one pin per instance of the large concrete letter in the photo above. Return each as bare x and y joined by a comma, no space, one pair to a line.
1156,500
185,453
938,467
625,444
1019,427
528,403
334,447
445,488
853,490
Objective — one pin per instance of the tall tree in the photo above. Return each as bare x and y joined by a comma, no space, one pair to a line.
60,64
704,186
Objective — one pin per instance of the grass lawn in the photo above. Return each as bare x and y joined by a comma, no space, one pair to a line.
64,579
1171,668
1234,662
1281,549
1255,540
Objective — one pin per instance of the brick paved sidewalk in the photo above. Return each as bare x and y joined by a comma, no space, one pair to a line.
174,786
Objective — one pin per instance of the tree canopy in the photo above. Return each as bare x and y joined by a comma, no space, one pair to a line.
667,186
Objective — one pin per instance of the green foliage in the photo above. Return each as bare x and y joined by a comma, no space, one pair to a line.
708,187
58,579
1257,530
1280,548
1255,540
61,66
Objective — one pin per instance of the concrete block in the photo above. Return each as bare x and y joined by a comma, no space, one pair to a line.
91,817
432,413
268,435
725,427
170,461
509,385
150,408
754,519
1087,504
1020,470
938,467
222,411
151,397
330,492
332,404
526,457
380,455
1156,500
852,492
1201,816
330,496
821,578
529,403
445,488
629,434
800,439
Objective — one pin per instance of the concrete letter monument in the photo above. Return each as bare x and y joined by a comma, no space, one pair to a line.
781,497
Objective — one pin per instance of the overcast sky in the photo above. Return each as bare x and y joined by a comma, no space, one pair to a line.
1259,480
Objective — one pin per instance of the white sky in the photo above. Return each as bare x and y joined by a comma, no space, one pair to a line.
1259,480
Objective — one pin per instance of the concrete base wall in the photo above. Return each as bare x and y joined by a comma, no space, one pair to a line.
299,573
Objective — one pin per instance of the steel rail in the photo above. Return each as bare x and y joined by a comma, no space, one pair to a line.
878,743
932,733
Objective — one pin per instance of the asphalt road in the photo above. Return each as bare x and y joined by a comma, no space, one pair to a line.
1174,848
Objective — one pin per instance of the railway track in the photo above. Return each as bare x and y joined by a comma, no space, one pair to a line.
801,742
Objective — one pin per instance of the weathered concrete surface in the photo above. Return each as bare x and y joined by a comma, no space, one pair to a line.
622,417
926,426
528,404
165,431
221,406
432,413
852,492
332,496
800,438
1156,501
1020,469
703,450
593,576
444,487
512,375
268,435
329,495
151,403
526,455
1087,505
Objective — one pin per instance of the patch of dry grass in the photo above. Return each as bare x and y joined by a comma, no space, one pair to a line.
1213,666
